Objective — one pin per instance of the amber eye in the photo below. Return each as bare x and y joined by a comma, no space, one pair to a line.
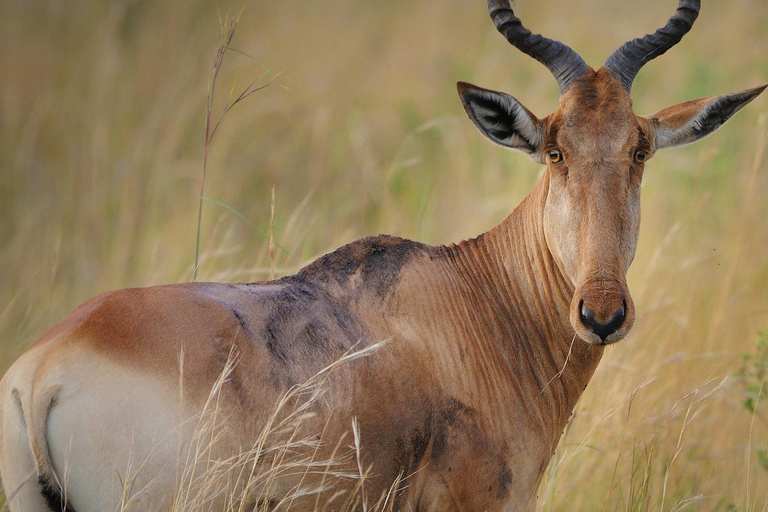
555,156
640,156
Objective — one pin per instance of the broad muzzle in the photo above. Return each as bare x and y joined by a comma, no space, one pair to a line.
602,312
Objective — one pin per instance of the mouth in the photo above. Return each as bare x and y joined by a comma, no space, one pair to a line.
593,339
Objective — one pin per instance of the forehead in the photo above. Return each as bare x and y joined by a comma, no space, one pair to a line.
595,117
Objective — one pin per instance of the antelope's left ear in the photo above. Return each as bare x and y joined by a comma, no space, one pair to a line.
503,119
691,120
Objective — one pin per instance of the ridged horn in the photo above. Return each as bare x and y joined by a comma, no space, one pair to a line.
626,61
562,61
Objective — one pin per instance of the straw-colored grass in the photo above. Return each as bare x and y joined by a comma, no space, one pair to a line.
245,480
102,130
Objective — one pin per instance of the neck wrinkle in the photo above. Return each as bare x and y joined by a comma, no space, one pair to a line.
517,277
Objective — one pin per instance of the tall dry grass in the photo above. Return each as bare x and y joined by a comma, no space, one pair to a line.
245,481
102,117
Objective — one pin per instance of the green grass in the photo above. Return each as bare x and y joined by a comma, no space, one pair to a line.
102,124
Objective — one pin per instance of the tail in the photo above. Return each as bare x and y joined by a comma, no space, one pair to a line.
28,475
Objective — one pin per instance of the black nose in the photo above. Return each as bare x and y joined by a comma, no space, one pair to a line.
602,330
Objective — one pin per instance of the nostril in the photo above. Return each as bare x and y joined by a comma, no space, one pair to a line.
587,316
603,330
620,314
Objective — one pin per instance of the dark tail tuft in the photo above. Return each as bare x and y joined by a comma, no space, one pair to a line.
51,493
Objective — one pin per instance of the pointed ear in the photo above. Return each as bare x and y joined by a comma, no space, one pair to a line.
690,121
503,119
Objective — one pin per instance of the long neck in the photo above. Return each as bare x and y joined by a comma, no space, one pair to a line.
521,339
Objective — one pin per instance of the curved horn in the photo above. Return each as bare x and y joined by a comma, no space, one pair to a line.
562,61
625,62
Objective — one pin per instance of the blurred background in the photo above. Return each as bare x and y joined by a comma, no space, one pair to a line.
102,135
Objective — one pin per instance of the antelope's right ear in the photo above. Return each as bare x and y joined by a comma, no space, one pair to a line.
503,119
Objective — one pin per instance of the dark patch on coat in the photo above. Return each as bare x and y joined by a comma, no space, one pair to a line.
505,481
240,319
377,259
300,324
455,424
459,439
274,346
420,440
305,324
411,449
51,493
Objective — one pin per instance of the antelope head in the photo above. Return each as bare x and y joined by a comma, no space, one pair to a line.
595,148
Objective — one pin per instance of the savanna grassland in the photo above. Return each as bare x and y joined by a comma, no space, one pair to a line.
102,121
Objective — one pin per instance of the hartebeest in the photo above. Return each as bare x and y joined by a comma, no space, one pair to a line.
488,343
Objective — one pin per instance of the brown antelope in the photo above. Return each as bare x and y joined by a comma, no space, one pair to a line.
487,345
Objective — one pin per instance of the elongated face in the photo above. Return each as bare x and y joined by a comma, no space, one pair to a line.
595,149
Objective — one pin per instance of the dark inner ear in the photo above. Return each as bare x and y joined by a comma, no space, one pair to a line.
716,114
498,119
503,119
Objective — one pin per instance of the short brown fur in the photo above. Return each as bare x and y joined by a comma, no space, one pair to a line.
486,346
